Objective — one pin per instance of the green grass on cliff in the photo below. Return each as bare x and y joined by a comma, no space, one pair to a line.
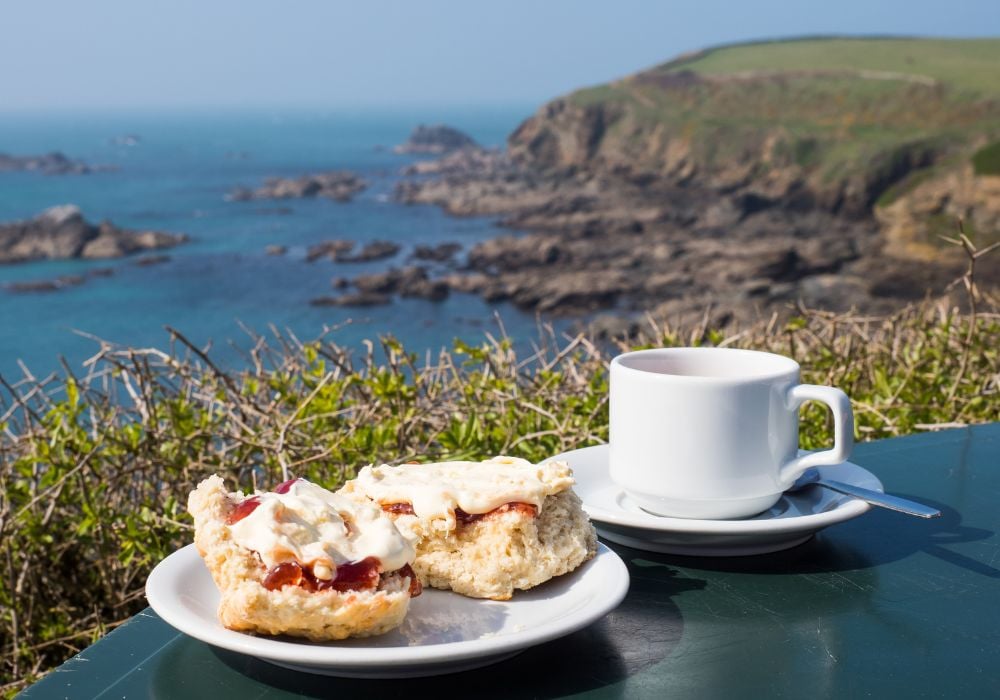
864,88
966,64
986,160
841,110
965,68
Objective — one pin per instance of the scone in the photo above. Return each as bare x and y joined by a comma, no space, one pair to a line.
484,529
303,561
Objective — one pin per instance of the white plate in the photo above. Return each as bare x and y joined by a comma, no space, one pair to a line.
443,632
792,520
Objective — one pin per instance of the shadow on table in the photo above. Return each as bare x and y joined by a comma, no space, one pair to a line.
878,537
947,530
642,631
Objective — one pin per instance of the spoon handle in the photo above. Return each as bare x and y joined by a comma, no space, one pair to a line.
884,500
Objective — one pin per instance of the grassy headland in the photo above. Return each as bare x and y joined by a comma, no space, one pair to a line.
849,125
967,64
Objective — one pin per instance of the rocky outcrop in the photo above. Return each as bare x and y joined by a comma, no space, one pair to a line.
443,252
436,138
62,232
496,188
601,242
150,260
836,137
339,185
391,281
358,299
58,283
931,206
481,160
406,282
379,288
675,191
339,250
54,163
33,286
768,162
376,250
329,249
658,265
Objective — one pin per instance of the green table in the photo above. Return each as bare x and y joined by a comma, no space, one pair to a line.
881,606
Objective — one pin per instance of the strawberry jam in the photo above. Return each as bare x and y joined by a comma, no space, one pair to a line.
243,509
287,573
363,575
247,506
353,576
415,587
284,486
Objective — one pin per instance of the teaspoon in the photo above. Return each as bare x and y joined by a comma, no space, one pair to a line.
812,477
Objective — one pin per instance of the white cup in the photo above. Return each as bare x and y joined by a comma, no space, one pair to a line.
713,433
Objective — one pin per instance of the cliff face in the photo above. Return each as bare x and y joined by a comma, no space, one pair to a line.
742,180
835,134
914,221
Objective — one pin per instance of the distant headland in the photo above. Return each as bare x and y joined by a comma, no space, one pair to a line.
741,178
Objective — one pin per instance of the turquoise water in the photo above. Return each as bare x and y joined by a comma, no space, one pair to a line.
176,178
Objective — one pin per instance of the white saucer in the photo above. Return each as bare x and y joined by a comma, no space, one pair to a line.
792,520
443,632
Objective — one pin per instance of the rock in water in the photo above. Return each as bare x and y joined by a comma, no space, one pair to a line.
407,282
150,260
45,285
339,185
437,138
61,232
329,249
443,252
49,164
359,299
376,250
391,281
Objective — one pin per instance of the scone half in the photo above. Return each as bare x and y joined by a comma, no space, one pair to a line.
302,561
484,529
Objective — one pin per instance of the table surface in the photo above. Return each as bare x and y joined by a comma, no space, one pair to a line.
883,605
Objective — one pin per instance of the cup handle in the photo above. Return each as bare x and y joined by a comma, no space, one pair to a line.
843,429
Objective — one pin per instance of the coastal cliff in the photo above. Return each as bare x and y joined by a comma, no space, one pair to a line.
743,178
832,124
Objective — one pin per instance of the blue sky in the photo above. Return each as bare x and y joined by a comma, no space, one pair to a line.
300,53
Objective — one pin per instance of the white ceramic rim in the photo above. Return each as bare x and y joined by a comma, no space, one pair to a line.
605,576
847,509
790,369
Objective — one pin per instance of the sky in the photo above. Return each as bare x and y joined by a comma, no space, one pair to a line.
145,54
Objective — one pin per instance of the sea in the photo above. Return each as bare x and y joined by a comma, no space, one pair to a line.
172,171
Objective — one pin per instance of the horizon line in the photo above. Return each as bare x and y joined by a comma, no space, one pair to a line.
291,106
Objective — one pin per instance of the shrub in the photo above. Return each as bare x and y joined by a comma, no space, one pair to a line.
95,469
986,161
